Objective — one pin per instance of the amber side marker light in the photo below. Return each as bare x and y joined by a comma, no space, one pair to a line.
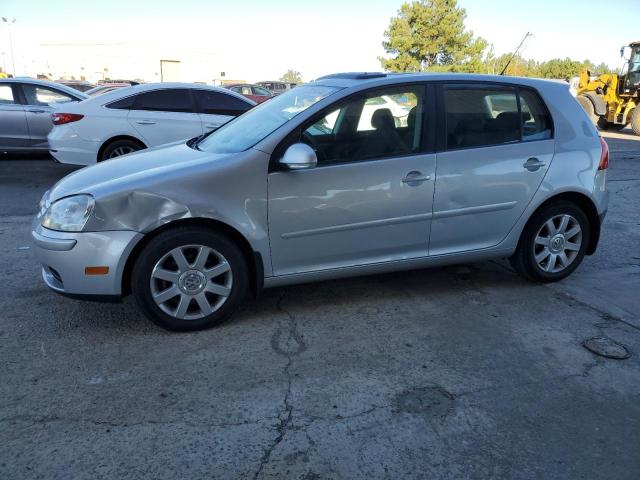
96,270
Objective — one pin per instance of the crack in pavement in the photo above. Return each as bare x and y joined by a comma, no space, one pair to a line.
290,334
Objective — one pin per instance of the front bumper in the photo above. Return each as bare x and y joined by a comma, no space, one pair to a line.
65,255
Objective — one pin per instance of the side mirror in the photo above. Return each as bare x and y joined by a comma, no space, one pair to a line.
299,156
625,52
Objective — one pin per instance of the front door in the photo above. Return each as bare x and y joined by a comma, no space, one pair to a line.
369,199
218,108
14,133
498,149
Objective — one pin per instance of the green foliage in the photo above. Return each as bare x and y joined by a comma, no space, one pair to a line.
291,76
430,35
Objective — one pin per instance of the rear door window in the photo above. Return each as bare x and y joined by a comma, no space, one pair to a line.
166,100
218,103
536,121
37,95
481,116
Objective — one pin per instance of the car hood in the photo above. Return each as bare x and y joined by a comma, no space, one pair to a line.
132,169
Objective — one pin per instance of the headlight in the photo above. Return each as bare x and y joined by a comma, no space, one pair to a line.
68,214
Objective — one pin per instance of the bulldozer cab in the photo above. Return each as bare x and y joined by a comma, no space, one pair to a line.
631,71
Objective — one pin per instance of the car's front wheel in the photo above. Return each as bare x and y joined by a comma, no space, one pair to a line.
553,243
189,278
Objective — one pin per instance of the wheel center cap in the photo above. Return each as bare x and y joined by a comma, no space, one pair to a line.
192,282
557,243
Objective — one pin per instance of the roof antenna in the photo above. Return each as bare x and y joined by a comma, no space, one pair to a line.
515,52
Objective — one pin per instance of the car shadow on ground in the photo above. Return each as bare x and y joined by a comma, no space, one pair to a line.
468,283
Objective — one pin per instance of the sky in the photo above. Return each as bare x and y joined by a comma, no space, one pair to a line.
256,40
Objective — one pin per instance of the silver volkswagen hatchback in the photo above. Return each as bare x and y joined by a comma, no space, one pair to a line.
352,174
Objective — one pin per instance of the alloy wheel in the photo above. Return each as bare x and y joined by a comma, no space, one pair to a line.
191,282
124,150
557,243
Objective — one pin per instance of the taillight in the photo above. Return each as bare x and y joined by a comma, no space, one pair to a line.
604,156
62,118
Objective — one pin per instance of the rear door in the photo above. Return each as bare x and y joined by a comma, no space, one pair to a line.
14,133
217,108
496,148
40,103
165,116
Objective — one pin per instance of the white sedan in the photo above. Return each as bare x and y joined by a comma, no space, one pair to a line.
133,118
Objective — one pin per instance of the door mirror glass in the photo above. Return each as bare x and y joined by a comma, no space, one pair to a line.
299,156
625,52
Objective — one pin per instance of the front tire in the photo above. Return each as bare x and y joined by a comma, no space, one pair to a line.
553,243
190,278
603,124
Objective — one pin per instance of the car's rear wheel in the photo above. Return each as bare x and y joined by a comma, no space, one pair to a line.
118,148
189,278
553,243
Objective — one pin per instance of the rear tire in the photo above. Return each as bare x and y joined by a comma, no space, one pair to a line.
588,107
553,243
635,121
190,278
118,148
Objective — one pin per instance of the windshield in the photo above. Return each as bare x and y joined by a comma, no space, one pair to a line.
248,129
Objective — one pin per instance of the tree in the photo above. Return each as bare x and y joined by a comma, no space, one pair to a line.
291,76
430,35
561,68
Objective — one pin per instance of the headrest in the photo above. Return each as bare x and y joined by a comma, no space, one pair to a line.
382,118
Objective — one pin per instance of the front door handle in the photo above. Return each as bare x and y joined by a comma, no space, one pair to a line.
211,125
145,122
532,164
415,178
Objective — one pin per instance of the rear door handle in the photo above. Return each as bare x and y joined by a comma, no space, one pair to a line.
35,110
145,122
532,164
415,177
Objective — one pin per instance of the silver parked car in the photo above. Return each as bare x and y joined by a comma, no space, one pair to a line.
322,182
26,105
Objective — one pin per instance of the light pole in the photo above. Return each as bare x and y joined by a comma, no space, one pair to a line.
10,23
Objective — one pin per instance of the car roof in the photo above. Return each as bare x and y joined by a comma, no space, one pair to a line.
371,79
123,92
45,83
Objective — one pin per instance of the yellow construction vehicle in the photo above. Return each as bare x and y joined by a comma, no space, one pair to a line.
611,99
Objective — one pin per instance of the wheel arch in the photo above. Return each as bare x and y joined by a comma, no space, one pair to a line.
254,259
589,208
599,105
115,138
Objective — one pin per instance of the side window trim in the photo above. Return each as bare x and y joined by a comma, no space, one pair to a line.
441,115
428,140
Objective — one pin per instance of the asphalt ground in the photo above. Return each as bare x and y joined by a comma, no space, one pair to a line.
459,372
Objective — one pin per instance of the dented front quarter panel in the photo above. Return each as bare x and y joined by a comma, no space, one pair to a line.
151,189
